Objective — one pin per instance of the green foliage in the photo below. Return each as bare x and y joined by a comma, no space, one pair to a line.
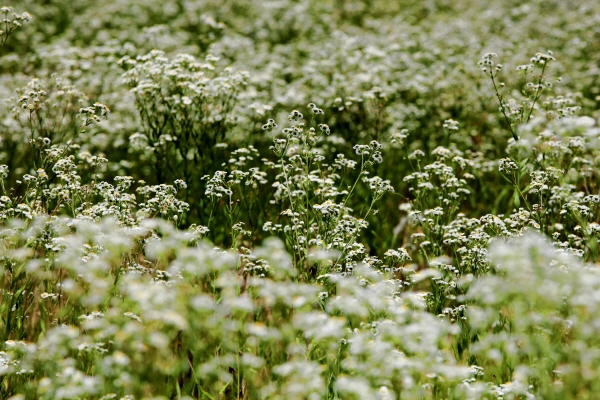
411,229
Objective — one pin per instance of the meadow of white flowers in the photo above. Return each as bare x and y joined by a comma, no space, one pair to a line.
299,199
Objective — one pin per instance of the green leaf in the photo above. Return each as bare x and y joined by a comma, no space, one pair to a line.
516,199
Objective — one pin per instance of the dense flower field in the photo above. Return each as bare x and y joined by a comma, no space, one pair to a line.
299,199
